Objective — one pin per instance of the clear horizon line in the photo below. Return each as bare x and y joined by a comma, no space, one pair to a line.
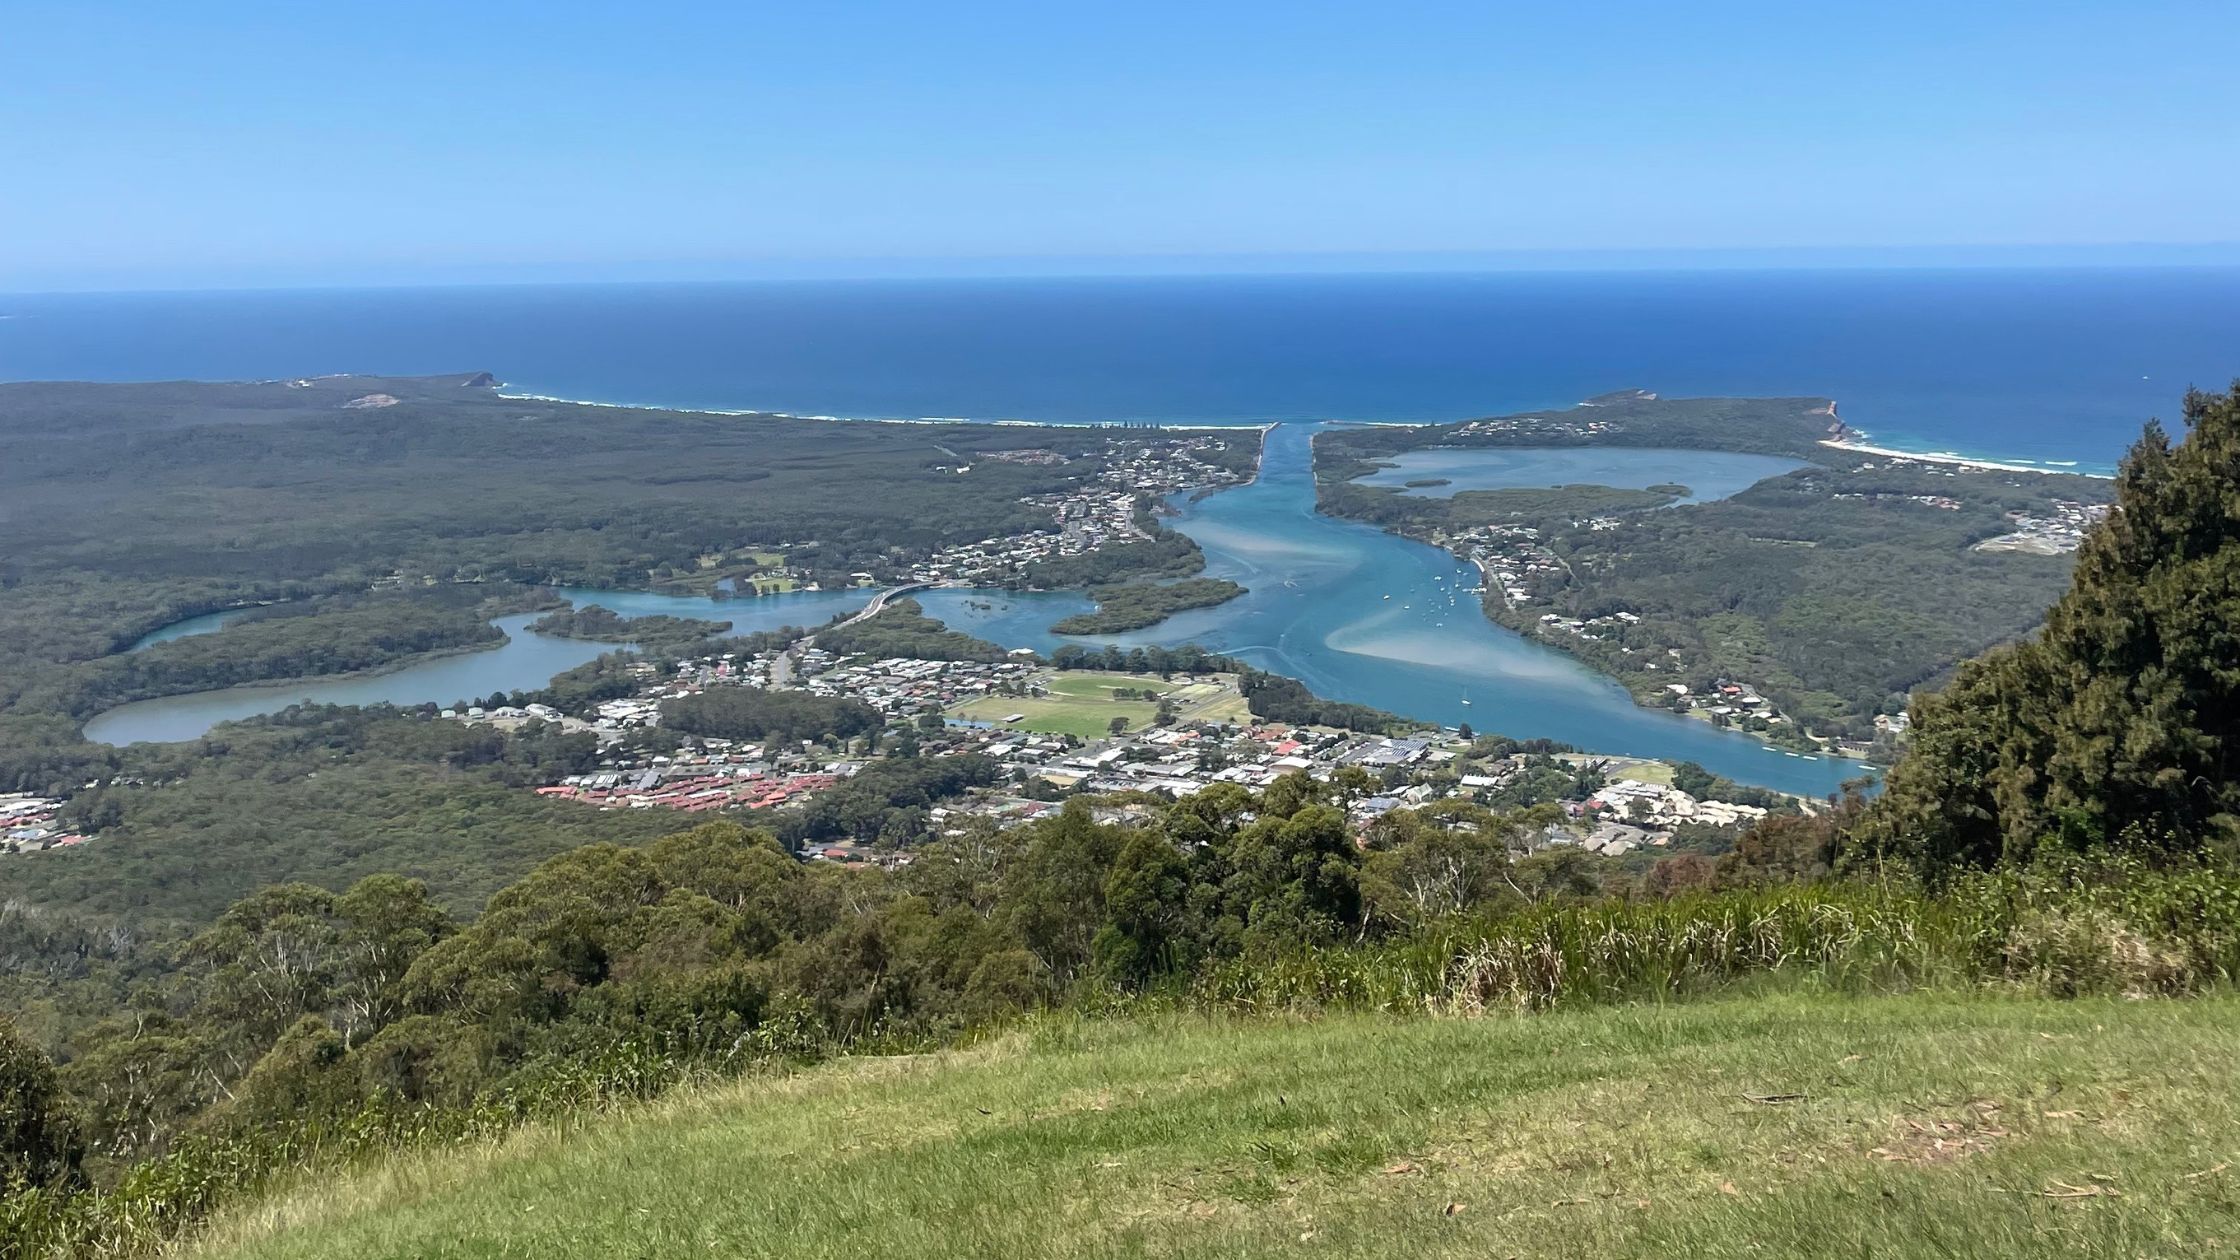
1169,265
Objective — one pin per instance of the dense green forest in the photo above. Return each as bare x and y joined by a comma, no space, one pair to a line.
2119,725
609,626
1187,659
756,713
318,794
1835,590
133,505
1276,698
1140,604
1770,426
903,629
889,801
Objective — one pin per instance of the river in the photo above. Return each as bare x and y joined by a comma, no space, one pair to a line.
1369,617
1356,613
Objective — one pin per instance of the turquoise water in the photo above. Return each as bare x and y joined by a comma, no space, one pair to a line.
2057,366
1709,475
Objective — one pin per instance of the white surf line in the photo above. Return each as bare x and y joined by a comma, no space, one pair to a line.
1957,461
752,412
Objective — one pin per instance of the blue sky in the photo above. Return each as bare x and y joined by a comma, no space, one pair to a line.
167,144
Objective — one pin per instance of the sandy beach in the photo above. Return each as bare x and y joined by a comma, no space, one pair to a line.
1957,461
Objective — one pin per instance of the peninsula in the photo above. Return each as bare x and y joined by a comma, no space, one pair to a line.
1802,605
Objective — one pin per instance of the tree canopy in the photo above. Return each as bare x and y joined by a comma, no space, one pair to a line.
2116,725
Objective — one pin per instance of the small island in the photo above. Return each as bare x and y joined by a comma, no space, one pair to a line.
1140,604
605,625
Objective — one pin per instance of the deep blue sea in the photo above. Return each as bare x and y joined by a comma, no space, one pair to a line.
2049,365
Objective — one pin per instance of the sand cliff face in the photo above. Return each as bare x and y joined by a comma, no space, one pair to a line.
480,380
1837,429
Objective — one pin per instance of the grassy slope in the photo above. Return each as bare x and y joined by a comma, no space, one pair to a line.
1929,1126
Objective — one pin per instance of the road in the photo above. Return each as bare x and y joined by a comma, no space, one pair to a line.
878,603
781,669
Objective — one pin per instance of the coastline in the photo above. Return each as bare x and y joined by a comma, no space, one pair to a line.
1851,442
741,413
1854,446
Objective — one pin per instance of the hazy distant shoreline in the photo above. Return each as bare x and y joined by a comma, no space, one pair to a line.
1841,444
1240,427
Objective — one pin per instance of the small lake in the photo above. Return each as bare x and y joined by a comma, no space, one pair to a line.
189,627
1708,475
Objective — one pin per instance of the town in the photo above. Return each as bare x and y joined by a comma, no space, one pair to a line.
2057,534
1113,508
1118,737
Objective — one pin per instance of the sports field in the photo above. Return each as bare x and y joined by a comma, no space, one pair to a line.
1083,704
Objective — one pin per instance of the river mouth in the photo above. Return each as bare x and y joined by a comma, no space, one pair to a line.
1358,614
1370,617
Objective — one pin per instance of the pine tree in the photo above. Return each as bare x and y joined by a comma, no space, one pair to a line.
2116,725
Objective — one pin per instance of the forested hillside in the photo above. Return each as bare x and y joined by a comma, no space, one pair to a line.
2118,724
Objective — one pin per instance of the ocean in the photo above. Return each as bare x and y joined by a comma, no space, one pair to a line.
2051,366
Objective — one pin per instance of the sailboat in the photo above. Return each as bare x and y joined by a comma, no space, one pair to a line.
1466,696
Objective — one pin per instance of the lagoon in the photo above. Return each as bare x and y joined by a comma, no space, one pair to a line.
189,627
1708,475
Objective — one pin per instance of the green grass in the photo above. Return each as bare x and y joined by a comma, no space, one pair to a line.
1787,1125
1081,686
1079,704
